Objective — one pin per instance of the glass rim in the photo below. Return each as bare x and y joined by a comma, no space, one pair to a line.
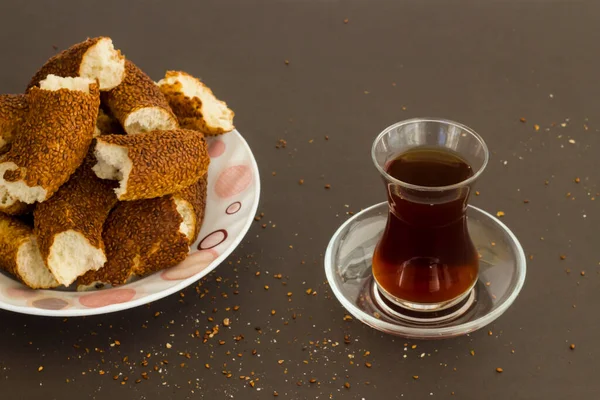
407,185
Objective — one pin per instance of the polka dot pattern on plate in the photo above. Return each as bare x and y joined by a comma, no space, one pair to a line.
189,267
106,297
233,180
50,303
213,239
216,148
233,208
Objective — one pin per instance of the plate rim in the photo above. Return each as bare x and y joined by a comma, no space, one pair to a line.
111,308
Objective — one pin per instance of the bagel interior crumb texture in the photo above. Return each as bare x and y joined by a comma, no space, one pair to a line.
55,83
195,105
71,256
188,223
154,165
20,255
13,109
149,119
19,190
95,59
102,62
138,103
53,140
10,205
113,163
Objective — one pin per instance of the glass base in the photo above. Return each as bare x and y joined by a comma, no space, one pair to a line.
348,266
420,313
420,307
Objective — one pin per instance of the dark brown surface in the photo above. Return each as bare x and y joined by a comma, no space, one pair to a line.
483,63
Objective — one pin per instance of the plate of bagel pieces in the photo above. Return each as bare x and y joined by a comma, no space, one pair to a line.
116,190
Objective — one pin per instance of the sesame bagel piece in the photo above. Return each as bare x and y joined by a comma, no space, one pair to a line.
191,203
69,225
195,105
53,140
13,109
141,237
138,103
154,165
95,59
20,255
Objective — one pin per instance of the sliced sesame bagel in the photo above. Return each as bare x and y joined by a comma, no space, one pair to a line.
191,203
138,103
141,237
69,225
95,59
53,140
195,105
20,255
155,165
13,109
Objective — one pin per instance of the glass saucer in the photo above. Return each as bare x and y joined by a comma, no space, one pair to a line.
501,276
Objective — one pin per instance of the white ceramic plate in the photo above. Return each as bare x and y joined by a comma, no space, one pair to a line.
233,192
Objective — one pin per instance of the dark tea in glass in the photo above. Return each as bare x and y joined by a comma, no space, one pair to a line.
425,260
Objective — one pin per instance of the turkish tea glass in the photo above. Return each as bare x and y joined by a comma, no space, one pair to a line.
426,261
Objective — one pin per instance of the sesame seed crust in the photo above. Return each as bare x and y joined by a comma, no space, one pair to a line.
163,162
13,109
54,138
81,205
137,91
141,237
